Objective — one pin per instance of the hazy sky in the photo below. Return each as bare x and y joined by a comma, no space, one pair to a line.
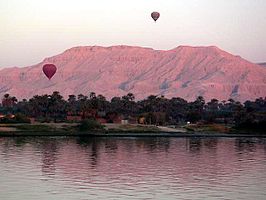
34,29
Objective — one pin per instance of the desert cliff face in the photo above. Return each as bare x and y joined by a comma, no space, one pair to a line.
185,71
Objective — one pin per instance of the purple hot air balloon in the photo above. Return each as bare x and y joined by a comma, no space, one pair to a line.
155,16
49,70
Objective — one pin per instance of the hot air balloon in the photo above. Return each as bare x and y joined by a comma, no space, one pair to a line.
49,70
155,16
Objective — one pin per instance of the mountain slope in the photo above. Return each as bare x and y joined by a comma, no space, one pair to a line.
262,64
185,71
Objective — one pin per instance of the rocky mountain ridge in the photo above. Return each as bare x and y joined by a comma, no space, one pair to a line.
184,71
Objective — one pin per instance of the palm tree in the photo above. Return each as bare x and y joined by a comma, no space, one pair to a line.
128,105
9,101
57,106
177,109
72,104
102,104
116,105
212,109
195,111
92,95
38,106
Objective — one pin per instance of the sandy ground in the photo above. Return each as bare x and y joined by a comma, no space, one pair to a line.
5,127
162,128
174,130
57,125
8,129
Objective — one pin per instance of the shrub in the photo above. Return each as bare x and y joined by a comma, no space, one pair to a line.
28,127
89,124
252,126
20,118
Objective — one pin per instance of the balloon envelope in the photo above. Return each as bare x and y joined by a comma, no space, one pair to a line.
155,16
49,70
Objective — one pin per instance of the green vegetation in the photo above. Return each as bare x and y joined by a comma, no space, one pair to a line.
89,125
14,119
37,128
134,129
251,127
154,110
217,128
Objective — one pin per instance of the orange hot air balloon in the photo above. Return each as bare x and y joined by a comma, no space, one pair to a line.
155,16
49,70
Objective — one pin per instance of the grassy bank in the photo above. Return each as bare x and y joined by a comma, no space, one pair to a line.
222,128
129,128
90,128
86,126
210,128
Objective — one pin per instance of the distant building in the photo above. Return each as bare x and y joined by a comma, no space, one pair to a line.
72,118
32,120
142,120
113,117
101,120
124,121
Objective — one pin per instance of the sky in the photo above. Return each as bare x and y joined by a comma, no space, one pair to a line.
31,30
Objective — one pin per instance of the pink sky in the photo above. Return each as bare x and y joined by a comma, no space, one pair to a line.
34,29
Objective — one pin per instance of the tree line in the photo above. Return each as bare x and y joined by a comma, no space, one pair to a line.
153,109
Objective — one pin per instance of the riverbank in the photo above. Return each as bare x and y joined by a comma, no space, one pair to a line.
93,134
119,130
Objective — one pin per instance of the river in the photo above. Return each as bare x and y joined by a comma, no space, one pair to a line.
132,168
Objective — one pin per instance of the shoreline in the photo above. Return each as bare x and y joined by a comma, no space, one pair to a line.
118,130
128,134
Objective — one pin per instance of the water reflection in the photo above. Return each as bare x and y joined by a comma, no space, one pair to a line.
152,167
245,144
134,156
210,143
49,157
194,145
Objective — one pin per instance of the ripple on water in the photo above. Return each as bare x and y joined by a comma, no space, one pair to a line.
134,168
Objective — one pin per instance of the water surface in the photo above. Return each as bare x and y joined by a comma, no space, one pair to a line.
132,168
